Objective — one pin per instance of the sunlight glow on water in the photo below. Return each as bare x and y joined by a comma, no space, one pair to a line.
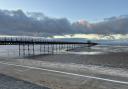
86,53
97,50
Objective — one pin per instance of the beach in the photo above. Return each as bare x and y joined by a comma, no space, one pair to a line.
7,82
99,67
111,57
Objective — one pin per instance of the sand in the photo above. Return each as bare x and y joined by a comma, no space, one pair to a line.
7,82
111,59
107,64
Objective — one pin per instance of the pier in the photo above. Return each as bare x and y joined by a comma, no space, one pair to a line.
26,45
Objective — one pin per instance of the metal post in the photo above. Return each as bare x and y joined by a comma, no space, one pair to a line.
28,50
59,47
33,49
19,49
67,47
40,48
48,48
44,48
56,48
24,49
52,48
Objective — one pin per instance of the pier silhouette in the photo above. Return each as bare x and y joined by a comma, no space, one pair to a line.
26,45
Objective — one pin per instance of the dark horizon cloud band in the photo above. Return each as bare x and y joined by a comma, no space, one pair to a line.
17,22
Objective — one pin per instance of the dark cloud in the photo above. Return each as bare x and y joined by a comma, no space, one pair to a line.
18,23
37,24
114,25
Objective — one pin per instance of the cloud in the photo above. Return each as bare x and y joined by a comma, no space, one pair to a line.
37,24
20,23
113,25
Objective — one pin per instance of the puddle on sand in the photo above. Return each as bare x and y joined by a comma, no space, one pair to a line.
86,53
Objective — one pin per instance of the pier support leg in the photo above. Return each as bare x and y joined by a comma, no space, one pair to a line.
19,50
40,48
28,50
52,48
24,49
33,49
44,48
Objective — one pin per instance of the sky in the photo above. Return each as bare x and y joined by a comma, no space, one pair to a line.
90,10
93,19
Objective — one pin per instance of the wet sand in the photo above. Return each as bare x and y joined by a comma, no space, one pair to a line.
110,59
7,82
109,65
55,80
